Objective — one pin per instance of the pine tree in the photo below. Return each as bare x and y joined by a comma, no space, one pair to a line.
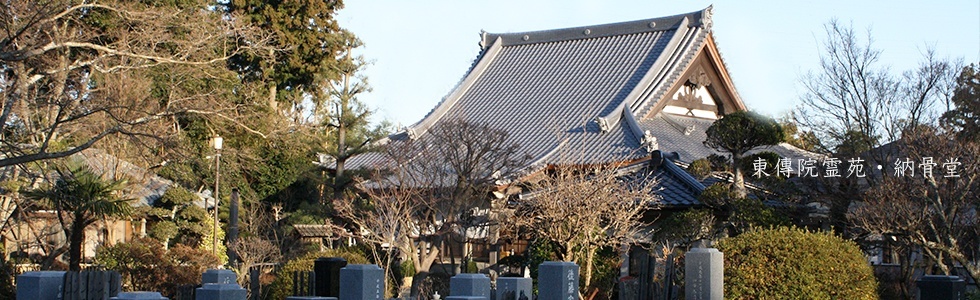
965,118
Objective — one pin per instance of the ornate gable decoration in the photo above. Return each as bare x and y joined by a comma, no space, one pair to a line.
690,98
703,90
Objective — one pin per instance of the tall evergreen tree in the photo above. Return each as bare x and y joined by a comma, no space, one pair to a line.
306,42
346,118
965,117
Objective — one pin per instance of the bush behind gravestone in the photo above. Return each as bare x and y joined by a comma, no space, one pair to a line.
795,264
146,265
282,286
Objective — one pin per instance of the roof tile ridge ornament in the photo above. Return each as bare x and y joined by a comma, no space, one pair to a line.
637,131
483,40
649,142
706,15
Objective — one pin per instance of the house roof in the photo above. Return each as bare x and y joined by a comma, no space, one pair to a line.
146,187
668,182
674,186
317,230
577,90
684,136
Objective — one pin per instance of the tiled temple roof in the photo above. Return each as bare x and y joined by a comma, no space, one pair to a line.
569,90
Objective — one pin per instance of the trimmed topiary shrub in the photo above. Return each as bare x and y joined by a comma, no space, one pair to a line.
700,168
282,286
791,263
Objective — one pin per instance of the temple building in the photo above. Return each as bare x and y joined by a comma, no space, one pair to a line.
637,94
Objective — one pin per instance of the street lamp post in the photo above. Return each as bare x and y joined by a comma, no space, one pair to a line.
218,141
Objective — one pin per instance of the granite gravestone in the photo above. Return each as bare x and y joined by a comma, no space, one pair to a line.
40,285
511,288
470,285
220,285
327,281
557,281
941,287
310,298
220,291
362,282
218,276
704,274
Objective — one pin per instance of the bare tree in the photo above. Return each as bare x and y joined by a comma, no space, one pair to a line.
75,72
252,251
388,219
854,103
430,184
933,211
582,209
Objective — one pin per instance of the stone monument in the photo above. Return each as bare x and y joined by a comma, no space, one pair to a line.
704,274
557,281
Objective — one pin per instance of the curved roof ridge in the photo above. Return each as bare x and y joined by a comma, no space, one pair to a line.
685,177
476,69
686,56
613,118
697,18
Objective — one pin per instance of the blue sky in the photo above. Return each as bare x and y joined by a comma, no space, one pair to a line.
419,50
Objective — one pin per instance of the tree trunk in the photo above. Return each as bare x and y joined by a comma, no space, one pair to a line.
76,241
423,263
338,179
273,104
589,254
739,180
417,283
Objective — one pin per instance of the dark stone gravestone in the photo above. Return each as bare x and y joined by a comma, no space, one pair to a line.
362,282
40,285
940,287
704,274
557,281
511,288
220,291
220,285
470,285
327,281
219,276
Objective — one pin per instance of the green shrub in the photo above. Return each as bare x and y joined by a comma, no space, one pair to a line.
719,163
700,168
471,266
686,227
791,263
282,286
7,289
408,268
717,195
605,273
